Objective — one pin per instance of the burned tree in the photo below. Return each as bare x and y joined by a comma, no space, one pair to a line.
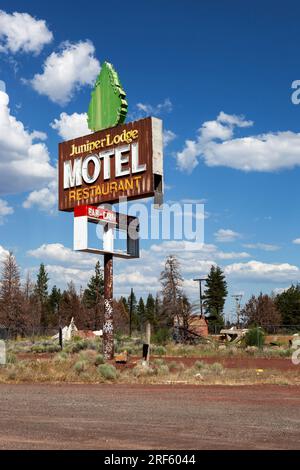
11,312
171,281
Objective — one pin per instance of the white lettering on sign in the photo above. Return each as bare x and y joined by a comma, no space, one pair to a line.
106,162
122,160
78,169
87,178
136,167
102,214
72,176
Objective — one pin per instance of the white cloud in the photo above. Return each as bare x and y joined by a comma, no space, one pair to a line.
168,137
187,250
143,274
280,290
226,235
63,275
24,164
66,71
44,199
296,241
20,32
262,246
70,126
142,110
5,210
259,271
59,252
164,107
217,146
3,253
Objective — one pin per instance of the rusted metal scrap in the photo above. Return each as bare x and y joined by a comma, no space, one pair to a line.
233,335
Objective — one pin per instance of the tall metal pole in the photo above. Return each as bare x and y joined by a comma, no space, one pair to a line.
130,312
238,298
108,327
201,307
200,290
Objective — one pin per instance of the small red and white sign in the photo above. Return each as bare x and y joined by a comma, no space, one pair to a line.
96,213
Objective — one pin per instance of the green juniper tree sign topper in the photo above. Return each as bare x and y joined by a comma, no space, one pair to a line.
108,105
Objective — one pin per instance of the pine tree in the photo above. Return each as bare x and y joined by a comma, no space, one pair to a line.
140,311
215,296
288,304
261,311
41,295
55,298
70,305
41,286
150,310
132,304
93,297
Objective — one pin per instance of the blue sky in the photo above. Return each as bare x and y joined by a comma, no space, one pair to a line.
218,73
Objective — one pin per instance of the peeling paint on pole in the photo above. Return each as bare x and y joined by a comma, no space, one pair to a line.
108,326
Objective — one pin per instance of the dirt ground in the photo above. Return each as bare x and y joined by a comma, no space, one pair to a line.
115,416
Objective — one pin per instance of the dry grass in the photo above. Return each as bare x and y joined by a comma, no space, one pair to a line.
84,367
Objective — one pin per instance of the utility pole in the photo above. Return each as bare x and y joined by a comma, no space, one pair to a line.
130,312
200,280
237,298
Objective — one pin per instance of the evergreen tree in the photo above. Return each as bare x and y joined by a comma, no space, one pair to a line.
93,296
215,296
140,311
150,310
70,306
288,304
54,305
41,295
132,304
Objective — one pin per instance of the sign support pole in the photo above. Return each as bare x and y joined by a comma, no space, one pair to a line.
108,327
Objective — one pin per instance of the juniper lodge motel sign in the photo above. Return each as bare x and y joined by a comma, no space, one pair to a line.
117,161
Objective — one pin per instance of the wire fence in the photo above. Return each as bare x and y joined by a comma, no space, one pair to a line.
36,333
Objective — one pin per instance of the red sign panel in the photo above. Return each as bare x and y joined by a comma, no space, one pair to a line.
96,213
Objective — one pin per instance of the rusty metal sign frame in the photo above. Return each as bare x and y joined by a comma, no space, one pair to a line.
114,221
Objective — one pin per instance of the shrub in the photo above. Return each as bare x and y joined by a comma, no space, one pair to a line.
62,356
53,348
11,358
45,347
80,366
158,362
217,368
161,336
162,370
200,365
88,355
176,366
107,371
255,337
76,346
37,348
160,350
142,370
99,359
285,353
